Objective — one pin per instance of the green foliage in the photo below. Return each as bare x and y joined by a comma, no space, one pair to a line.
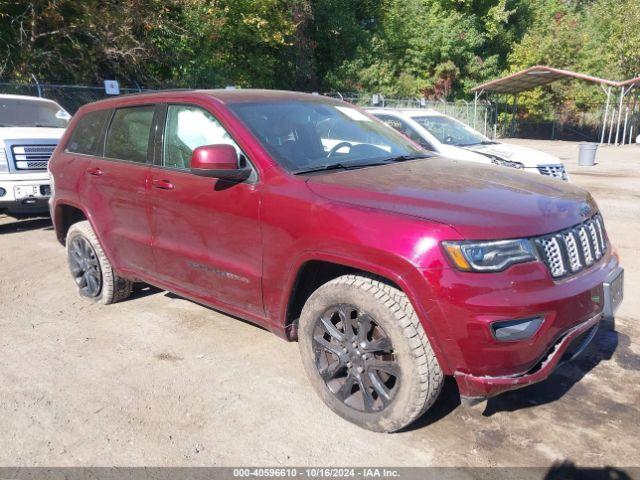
432,48
597,37
150,42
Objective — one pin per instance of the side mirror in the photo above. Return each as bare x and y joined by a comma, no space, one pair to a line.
218,161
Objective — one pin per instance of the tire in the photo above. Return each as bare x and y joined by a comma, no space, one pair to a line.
112,288
377,310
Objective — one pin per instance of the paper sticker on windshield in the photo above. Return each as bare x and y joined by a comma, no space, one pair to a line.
354,114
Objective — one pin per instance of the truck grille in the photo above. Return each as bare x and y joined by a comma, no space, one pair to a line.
32,157
555,171
572,250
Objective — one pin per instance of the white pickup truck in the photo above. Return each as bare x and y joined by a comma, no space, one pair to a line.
30,128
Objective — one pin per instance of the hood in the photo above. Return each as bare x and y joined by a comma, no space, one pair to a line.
479,201
529,157
457,153
30,133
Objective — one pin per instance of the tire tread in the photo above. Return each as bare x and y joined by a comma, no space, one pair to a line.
430,379
114,287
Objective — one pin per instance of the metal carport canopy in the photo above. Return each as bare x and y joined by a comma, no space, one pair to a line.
540,75
535,77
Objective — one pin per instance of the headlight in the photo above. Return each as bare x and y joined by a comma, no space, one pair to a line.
493,256
506,163
52,183
4,165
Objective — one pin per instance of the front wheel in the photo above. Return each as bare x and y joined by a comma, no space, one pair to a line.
366,353
91,269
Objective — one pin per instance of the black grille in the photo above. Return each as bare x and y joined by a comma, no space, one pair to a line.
32,157
571,251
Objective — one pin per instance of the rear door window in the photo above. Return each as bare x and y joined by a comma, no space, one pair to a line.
88,134
129,135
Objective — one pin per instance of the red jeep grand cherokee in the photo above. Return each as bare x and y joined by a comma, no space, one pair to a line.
311,218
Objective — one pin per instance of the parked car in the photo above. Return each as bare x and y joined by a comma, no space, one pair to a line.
452,138
311,218
30,128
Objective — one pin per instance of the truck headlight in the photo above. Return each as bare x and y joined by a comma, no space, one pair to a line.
506,163
4,165
492,256
52,183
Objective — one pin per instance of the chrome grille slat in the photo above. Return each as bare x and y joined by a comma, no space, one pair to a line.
32,165
32,157
553,256
574,249
594,240
555,171
586,246
600,228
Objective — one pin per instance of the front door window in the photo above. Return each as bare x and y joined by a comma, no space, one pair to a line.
187,128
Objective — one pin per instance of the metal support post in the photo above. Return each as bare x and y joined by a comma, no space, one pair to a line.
606,113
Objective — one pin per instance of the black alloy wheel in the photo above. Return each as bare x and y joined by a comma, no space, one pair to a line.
85,267
355,358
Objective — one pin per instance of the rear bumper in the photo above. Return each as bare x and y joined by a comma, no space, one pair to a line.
476,388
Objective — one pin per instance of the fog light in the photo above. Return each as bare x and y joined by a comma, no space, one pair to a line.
3,192
511,330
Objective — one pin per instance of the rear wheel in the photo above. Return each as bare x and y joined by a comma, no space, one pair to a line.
366,353
91,269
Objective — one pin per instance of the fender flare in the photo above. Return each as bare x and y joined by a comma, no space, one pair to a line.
399,278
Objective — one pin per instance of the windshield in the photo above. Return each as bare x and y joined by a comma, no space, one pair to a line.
450,131
304,135
15,112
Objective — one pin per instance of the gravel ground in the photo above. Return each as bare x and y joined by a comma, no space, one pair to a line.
159,380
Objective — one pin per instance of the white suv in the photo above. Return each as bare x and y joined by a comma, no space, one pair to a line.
452,138
30,128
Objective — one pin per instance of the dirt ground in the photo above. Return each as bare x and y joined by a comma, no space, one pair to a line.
159,380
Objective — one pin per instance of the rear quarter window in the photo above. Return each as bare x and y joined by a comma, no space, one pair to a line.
88,133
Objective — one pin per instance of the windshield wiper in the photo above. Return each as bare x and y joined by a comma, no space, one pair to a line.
340,166
483,142
404,158
353,165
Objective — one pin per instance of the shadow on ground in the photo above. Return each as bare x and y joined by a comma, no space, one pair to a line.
26,225
568,471
141,290
446,403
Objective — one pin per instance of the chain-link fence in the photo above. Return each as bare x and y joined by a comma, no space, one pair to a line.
482,116
71,97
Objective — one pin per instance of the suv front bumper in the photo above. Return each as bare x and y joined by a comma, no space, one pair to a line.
478,388
470,303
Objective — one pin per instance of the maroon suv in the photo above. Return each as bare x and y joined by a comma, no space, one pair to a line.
303,214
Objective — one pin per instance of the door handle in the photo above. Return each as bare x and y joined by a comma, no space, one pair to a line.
95,171
163,184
